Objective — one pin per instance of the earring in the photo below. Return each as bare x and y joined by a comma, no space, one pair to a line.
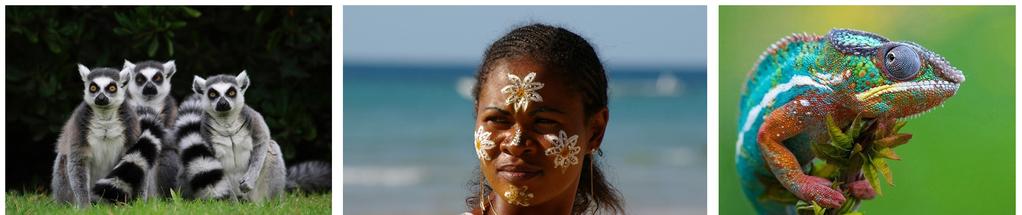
591,160
482,196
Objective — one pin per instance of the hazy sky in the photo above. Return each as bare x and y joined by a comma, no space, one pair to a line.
622,35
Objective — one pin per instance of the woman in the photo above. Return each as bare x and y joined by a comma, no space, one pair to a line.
541,111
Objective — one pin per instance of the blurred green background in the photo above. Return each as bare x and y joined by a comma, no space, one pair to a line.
962,157
285,49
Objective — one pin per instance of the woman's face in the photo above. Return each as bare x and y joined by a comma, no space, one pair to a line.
531,133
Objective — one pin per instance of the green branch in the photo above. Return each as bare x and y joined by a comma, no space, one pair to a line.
861,149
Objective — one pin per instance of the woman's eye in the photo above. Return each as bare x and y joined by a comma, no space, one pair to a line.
498,122
545,121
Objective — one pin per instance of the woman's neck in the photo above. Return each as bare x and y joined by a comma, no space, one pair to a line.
561,204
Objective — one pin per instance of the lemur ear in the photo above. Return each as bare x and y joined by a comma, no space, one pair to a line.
125,76
84,72
169,67
242,80
855,42
128,65
198,84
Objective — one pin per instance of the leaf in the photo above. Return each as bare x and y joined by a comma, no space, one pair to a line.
853,130
898,125
154,45
178,24
892,141
817,209
869,171
854,213
836,135
881,166
825,170
888,153
170,46
191,12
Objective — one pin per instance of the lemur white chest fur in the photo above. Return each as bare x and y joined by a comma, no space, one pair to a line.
106,142
155,104
232,142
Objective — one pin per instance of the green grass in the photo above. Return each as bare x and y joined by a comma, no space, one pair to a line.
294,203
961,159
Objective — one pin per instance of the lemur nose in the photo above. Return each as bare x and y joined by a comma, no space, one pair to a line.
102,100
149,90
222,105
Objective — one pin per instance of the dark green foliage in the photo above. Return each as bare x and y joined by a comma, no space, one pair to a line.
286,51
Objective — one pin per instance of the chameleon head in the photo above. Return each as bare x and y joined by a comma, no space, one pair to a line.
893,79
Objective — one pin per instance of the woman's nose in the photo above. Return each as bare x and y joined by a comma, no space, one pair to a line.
519,143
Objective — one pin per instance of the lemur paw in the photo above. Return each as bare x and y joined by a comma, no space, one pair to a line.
816,189
862,190
246,185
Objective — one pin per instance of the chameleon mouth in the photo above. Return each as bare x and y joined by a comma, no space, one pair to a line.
940,87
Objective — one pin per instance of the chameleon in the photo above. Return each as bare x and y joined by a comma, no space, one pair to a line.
801,80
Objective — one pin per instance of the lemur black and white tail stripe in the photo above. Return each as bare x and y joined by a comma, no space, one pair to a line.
134,175
309,177
149,86
203,174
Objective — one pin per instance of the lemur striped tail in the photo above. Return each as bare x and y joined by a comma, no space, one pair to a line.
203,175
127,180
309,177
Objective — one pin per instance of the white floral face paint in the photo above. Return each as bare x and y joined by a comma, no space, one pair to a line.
521,91
565,150
483,143
517,139
516,196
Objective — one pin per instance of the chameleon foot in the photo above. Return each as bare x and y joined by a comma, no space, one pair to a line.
816,189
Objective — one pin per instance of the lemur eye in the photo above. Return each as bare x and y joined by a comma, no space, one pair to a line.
139,79
212,94
231,93
158,77
111,88
901,63
93,88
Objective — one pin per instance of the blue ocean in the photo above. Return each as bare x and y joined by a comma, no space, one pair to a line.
408,133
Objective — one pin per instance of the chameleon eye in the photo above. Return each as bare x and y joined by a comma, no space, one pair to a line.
93,88
212,94
111,88
901,63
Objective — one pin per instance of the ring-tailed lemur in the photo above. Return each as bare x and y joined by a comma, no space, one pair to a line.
94,137
150,87
237,137
134,175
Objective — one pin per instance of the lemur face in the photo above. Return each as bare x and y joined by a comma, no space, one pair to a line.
222,94
150,80
104,87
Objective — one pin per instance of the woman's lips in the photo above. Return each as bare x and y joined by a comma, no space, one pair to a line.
518,173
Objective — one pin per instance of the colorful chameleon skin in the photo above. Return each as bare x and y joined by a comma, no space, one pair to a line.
802,79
